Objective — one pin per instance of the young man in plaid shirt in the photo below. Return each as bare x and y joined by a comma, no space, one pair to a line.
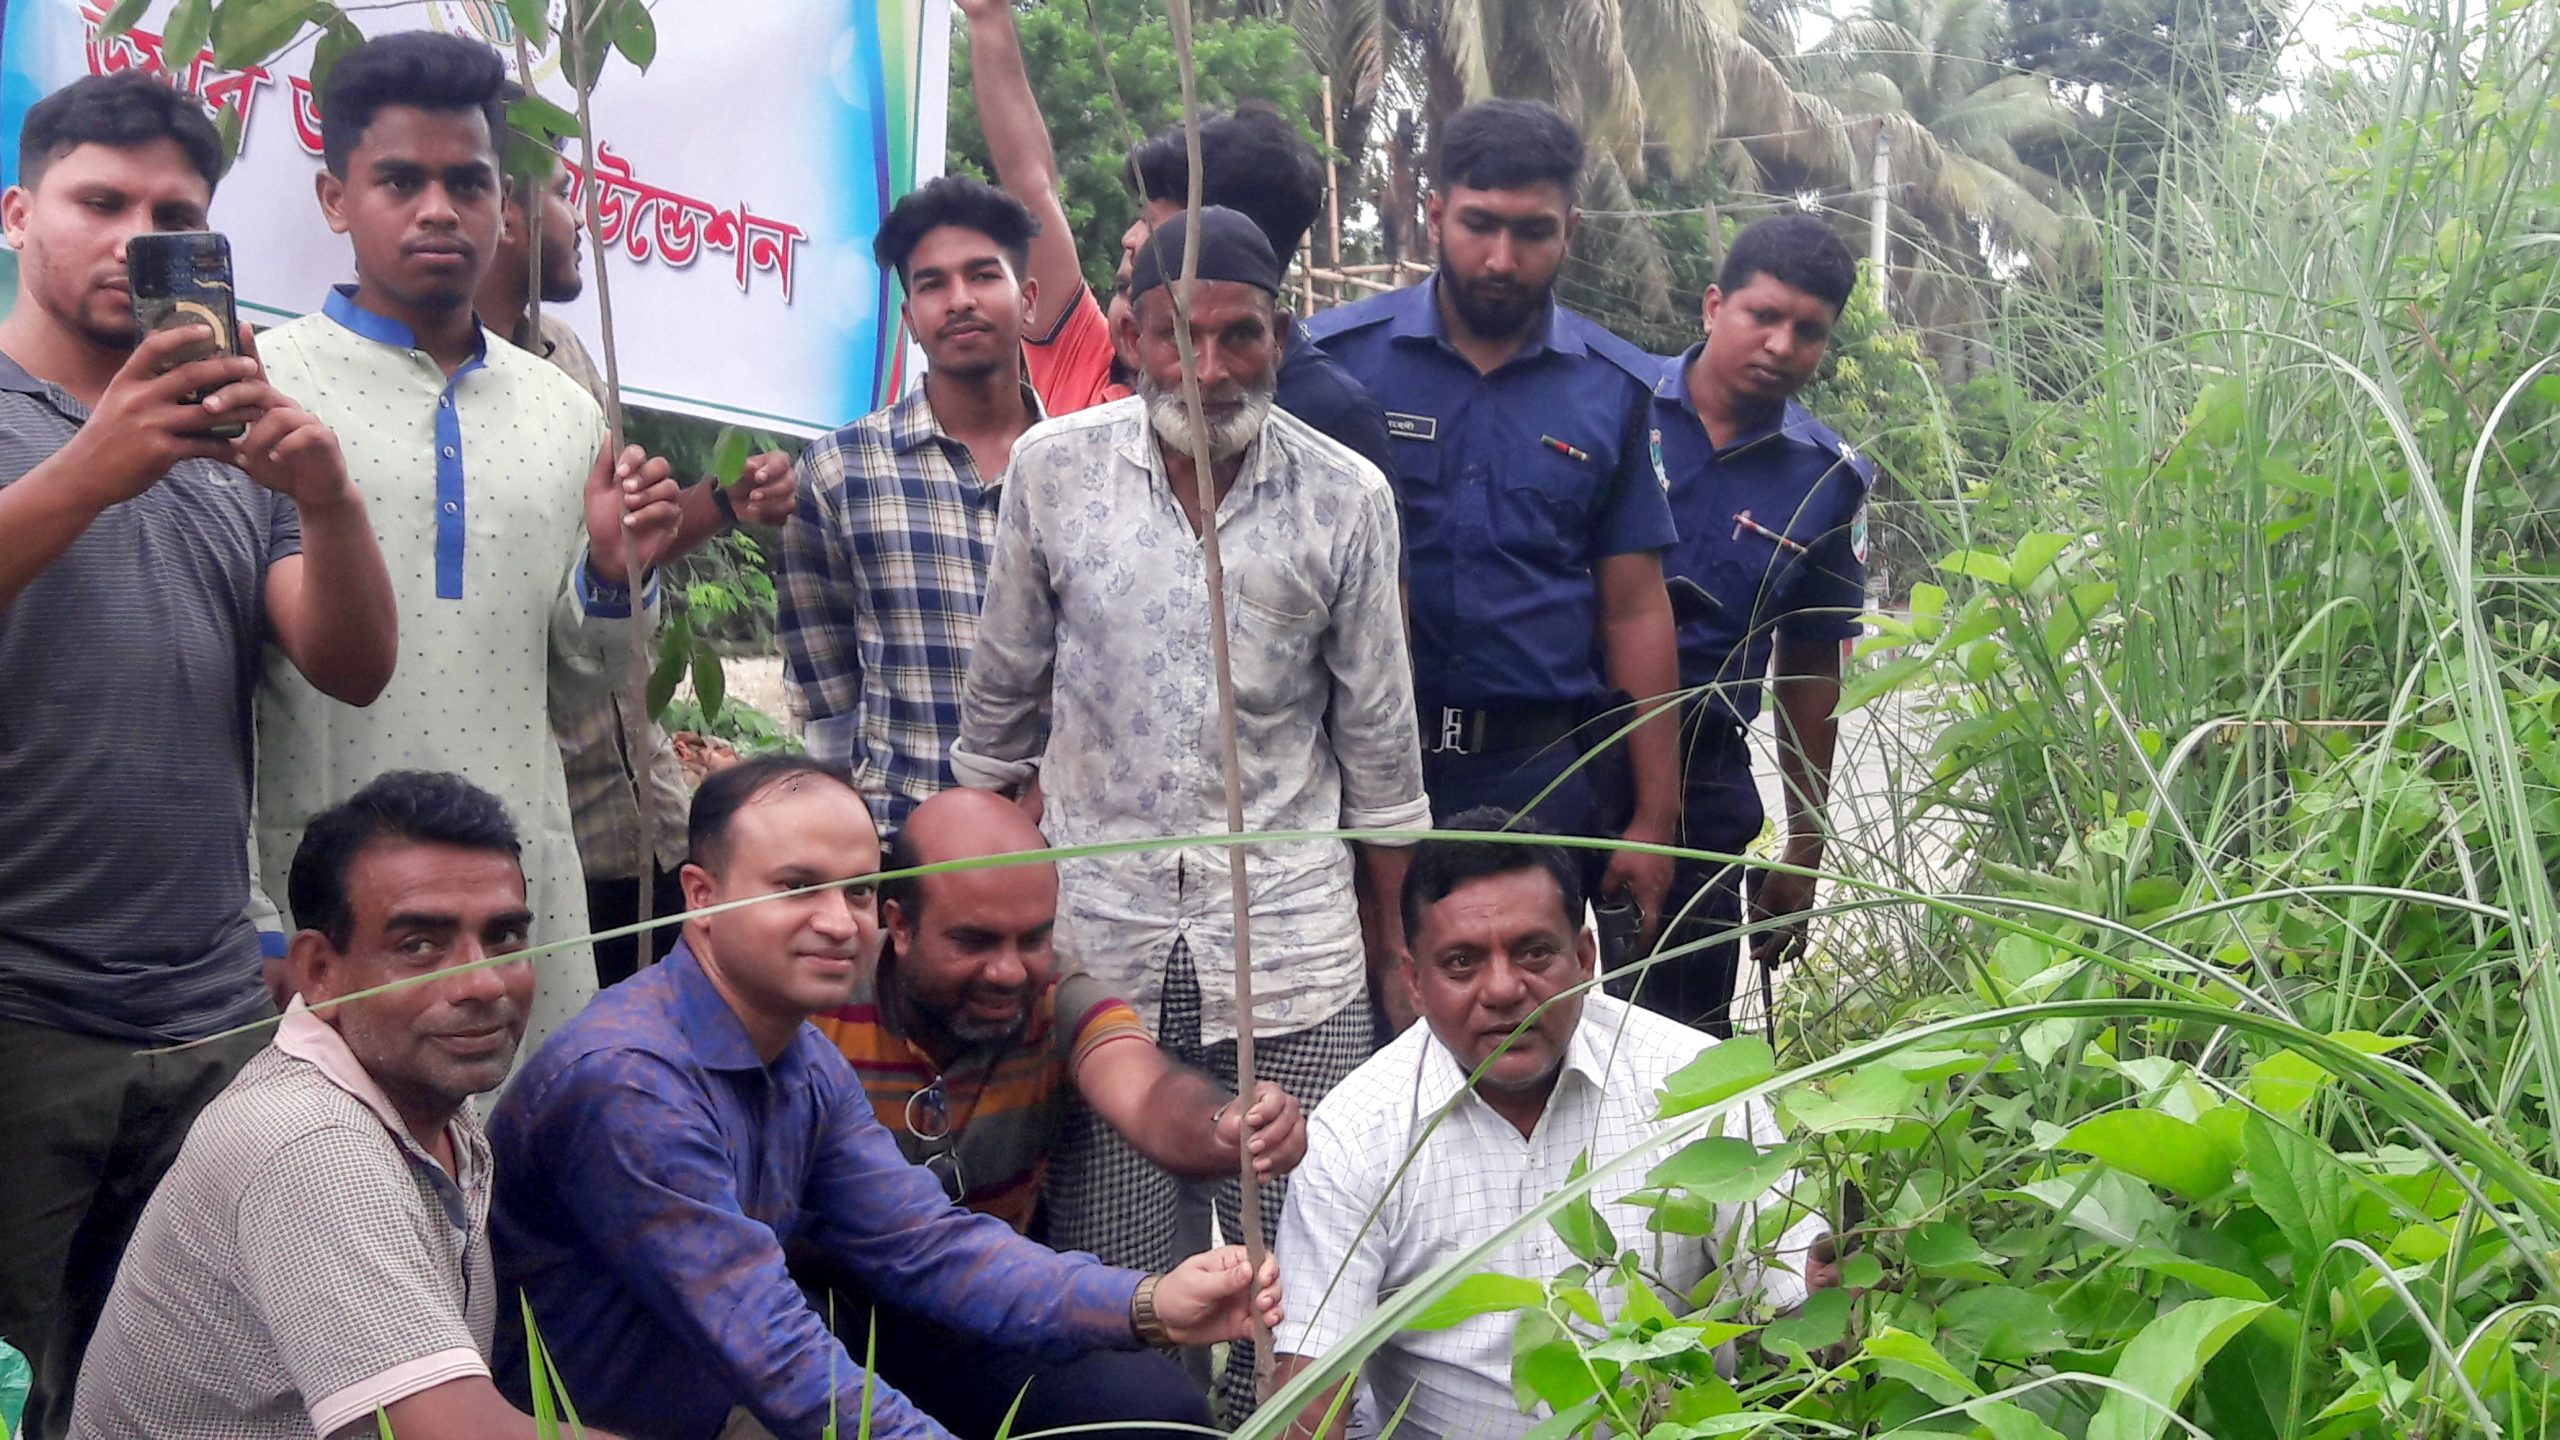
883,571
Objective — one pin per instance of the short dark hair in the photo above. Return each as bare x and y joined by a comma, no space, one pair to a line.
1442,863
727,791
121,111
1509,145
1800,249
418,68
960,201
1252,161
428,807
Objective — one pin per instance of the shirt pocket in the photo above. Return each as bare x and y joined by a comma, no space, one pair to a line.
1277,632
1544,502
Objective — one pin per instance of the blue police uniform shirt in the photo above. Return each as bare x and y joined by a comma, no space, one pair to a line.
1772,539
1514,486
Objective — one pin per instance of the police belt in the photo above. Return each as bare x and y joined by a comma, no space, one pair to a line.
1452,730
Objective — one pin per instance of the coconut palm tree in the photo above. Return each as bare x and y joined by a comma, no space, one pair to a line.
1922,74
1649,82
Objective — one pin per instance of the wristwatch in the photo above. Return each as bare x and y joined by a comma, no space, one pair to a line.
720,499
1142,1316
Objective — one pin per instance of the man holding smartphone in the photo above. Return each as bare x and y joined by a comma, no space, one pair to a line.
145,565
520,548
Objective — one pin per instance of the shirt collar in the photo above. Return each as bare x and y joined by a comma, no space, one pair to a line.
912,421
14,376
1444,1081
381,329
314,1041
1672,385
713,1031
1418,318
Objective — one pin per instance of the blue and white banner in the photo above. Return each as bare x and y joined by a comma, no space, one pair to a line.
739,183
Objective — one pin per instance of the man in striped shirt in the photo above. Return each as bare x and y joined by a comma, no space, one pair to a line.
967,1040
885,565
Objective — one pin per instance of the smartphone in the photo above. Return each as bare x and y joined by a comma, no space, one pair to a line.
183,277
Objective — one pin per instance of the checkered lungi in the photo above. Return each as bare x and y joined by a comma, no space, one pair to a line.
1107,1198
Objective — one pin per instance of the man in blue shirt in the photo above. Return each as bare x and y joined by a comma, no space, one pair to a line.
1769,567
663,1150
1533,523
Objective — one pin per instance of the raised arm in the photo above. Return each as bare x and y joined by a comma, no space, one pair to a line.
141,425
1018,142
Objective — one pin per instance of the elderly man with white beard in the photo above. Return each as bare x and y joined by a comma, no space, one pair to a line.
1092,695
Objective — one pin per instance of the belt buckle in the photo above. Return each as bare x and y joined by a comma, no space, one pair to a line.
1455,733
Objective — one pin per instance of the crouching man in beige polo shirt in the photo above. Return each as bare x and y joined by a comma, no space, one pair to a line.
318,1258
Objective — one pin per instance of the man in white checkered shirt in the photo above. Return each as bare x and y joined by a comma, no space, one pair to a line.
1495,931
317,1262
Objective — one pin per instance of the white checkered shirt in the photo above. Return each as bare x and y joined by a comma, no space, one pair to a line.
1476,1174
305,1263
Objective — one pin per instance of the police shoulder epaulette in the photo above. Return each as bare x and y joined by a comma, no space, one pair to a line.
1342,319
1823,437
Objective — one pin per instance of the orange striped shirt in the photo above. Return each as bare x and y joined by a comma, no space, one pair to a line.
1002,1102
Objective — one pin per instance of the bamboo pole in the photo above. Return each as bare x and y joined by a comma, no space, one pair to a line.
635,701
1249,1206
1332,191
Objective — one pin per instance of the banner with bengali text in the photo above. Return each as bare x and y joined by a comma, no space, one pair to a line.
739,183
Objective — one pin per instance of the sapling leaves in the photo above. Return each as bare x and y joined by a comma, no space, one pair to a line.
1580,1225
1720,1071
2163,1362
1484,1293
2177,1155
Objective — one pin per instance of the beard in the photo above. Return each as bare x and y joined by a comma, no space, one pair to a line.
1495,310
561,284
1230,435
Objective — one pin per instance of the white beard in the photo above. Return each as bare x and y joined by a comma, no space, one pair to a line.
1228,437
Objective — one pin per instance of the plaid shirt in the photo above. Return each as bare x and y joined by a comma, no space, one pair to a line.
882,574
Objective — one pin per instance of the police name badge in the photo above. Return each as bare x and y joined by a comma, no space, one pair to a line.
1413,427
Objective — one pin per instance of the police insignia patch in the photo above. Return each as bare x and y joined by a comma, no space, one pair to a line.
1661,472
1857,529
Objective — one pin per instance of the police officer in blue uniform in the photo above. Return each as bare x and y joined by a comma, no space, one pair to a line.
1533,518
1769,573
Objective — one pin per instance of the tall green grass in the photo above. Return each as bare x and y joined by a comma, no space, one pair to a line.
2195,1073
2180,1048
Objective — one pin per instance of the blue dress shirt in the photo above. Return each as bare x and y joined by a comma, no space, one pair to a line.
1514,487
651,1171
1771,535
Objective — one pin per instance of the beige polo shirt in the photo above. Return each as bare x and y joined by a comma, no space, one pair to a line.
304,1263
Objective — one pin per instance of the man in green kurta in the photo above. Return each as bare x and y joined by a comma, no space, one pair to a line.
470,453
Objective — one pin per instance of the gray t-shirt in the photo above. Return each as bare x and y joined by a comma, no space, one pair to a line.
126,670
